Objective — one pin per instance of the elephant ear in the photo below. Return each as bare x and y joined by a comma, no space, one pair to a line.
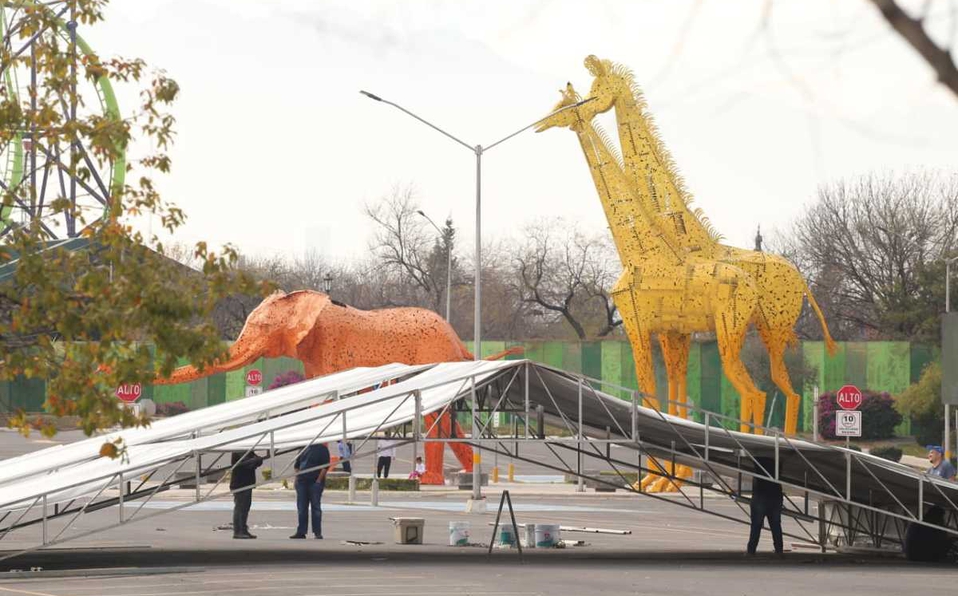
304,308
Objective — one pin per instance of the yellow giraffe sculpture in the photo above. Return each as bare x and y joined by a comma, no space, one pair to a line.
663,288
653,176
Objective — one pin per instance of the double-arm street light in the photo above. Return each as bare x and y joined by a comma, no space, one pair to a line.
478,150
448,259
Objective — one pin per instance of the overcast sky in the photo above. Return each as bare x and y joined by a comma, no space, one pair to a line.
277,151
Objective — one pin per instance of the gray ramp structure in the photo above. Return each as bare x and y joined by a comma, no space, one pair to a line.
857,498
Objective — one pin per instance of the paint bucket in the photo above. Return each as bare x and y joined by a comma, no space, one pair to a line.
530,536
458,533
547,535
506,536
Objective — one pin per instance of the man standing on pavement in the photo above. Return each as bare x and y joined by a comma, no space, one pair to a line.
387,451
766,504
345,452
940,466
309,488
243,475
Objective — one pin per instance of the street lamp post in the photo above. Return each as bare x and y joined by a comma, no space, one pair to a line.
477,150
327,283
448,261
948,263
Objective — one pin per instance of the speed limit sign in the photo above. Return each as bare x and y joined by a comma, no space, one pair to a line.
848,423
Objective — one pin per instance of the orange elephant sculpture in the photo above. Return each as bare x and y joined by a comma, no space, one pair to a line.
328,336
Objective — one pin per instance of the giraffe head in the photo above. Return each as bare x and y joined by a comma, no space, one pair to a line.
608,83
567,118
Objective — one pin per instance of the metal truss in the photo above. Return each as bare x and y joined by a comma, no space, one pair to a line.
590,423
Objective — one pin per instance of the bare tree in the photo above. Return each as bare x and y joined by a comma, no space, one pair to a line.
405,245
565,272
870,244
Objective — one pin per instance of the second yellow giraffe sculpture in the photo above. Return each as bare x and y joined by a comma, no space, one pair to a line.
650,171
663,289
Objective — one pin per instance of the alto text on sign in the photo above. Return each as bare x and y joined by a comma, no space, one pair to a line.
849,397
848,424
254,377
129,392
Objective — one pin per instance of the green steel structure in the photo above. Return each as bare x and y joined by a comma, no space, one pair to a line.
32,168
879,366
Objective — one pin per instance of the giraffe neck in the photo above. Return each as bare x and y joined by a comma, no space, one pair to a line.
649,168
635,237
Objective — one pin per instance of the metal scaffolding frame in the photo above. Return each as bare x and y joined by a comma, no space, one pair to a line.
859,498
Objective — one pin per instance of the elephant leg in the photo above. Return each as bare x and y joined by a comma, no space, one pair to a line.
464,453
441,427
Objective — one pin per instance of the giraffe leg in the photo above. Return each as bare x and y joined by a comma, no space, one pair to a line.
675,352
732,314
776,341
641,340
671,367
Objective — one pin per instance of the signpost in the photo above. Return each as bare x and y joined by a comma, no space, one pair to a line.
254,379
848,422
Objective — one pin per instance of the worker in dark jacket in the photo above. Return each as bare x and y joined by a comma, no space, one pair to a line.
766,504
243,476
311,466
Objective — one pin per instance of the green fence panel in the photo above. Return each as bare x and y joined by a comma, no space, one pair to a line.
515,344
490,348
814,353
856,364
889,365
552,352
710,383
27,394
693,386
628,367
199,394
165,394
572,357
235,384
535,351
731,402
592,359
834,375
920,357
612,367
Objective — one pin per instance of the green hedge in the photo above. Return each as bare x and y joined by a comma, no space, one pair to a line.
366,482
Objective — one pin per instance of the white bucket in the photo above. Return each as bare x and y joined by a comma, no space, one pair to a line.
547,535
506,536
530,536
458,533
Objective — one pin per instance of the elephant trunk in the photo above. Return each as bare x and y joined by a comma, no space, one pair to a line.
243,352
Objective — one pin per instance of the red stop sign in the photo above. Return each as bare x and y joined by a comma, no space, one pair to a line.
849,397
254,377
129,392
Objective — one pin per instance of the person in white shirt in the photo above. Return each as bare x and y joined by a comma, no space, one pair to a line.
387,451
419,470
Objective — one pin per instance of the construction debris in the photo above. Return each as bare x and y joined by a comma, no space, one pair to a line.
587,530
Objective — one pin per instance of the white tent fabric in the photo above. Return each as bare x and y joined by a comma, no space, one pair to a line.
211,419
386,407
